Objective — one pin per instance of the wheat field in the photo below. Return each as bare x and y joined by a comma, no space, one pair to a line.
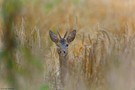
102,56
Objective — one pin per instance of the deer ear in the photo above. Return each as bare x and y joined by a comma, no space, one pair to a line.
53,36
71,36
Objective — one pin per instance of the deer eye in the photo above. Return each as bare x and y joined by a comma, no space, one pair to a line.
66,45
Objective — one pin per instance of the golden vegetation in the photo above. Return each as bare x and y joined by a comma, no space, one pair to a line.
102,55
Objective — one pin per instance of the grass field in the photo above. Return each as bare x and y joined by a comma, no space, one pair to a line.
102,56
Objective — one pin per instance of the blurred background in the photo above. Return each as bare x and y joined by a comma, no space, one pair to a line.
101,57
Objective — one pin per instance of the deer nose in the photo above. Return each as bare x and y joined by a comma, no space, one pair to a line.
64,52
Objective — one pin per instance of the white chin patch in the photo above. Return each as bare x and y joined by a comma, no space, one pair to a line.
64,55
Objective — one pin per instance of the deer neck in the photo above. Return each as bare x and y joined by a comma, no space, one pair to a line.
63,61
63,68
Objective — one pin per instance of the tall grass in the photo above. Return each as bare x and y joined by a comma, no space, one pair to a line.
101,57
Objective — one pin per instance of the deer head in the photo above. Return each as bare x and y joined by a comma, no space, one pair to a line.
62,43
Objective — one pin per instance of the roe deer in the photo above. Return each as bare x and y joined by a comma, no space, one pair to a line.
62,49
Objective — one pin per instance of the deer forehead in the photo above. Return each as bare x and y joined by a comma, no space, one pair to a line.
62,44
63,41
